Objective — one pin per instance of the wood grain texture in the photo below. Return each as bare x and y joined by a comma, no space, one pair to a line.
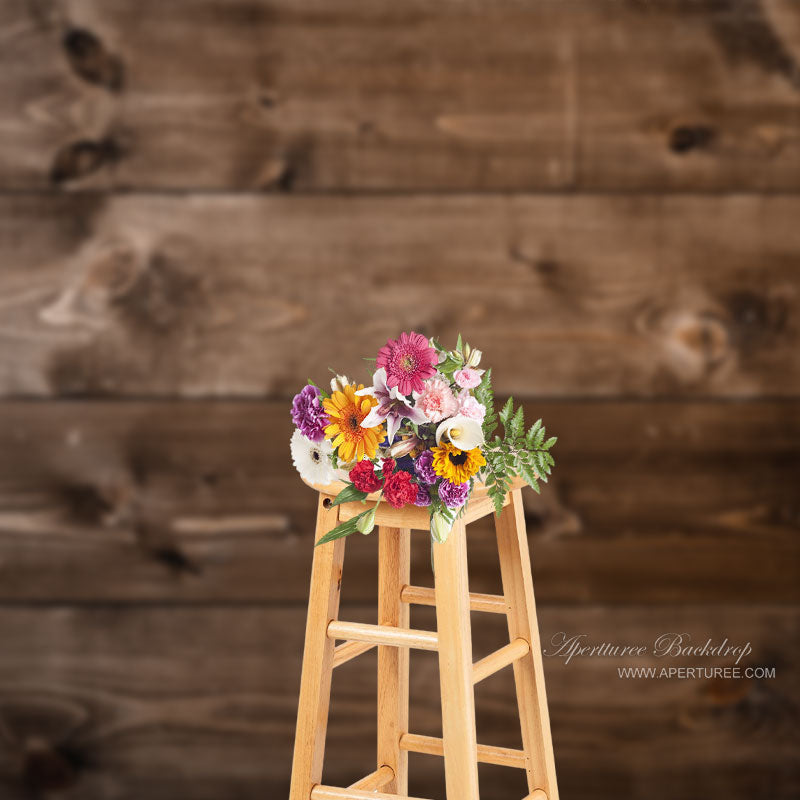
313,703
308,96
394,572
523,625
459,736
186,702
197,503
249,296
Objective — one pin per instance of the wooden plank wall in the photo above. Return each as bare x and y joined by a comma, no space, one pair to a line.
204,202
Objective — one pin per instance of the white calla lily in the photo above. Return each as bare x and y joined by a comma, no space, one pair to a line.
463,432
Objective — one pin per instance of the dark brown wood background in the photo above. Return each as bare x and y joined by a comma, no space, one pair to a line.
204,202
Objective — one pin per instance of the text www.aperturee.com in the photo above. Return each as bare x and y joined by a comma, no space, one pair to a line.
695,673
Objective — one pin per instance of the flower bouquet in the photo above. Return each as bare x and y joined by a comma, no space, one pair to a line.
423,433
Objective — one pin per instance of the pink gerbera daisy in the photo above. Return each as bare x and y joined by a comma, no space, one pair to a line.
408,360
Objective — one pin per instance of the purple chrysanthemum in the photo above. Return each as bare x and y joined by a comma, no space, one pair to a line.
453,495
423,497
423,466
308,414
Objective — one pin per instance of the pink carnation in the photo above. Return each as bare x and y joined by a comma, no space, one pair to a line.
437,400
468,406
468,378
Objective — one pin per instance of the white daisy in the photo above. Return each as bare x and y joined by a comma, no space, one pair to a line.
312,459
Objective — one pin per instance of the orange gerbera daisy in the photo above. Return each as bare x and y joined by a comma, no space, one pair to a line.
346,412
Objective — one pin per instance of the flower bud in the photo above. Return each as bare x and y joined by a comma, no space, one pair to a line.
338,383
366,523
440,528
404,447
474,358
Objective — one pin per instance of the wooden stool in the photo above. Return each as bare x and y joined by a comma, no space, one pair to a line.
452,640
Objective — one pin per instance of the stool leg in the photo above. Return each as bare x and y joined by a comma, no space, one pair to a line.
315,682
515,566
455,666
394,562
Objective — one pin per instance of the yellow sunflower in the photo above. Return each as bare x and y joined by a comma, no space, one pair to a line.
346,412
457,466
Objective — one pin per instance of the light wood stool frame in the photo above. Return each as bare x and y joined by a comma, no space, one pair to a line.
393,638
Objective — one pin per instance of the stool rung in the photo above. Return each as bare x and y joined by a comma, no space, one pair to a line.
383,634
422,596
349,650
494,662
375,780
320,792
487,754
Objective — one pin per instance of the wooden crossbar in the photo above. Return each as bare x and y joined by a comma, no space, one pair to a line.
320,792
487,754
499,659
375,780
348,651
422,596
383,634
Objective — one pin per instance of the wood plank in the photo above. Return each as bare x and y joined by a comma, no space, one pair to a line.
523,625
459,737
317,665
321,792
200,703
375,781
394,572
303,95
665,502
230,296
434,746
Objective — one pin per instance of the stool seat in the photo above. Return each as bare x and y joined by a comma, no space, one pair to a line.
414,517
452,641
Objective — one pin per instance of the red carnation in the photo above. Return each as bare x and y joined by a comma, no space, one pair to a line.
364,478
388,467
399,491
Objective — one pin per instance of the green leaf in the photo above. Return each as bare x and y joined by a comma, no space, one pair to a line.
532,431
498,495
507,411
348,495
449,366
550,442
344,529
459,344
541,466
527,474
517,423
322,392
485,395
